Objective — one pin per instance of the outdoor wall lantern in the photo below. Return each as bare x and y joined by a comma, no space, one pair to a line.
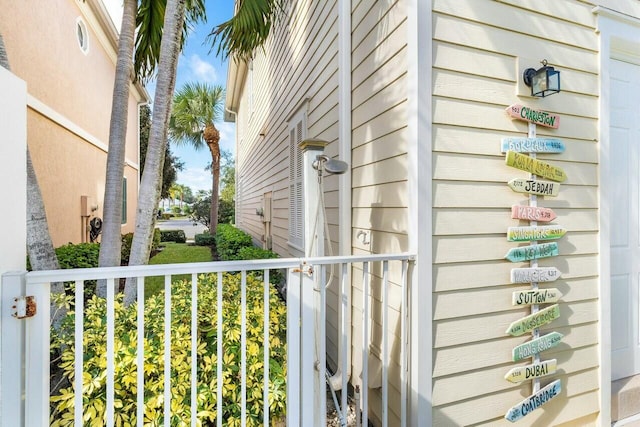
544,81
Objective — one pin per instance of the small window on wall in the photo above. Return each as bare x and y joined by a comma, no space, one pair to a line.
124,201
297,133
83,35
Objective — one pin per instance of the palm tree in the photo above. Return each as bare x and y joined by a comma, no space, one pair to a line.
196,106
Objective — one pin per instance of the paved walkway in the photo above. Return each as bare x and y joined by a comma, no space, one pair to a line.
185,225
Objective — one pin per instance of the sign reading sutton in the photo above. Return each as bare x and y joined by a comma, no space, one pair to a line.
534,401
535,296
527,114
535,166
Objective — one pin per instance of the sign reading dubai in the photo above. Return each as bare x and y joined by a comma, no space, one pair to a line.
534,401
532,145
534,166
535,296
525,234
538,345
534,274
527,253
532,213
529,372
533,321
530,186
527,114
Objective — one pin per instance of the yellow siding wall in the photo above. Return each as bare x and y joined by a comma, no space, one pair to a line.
476,49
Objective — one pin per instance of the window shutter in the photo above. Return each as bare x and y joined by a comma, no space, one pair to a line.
297,133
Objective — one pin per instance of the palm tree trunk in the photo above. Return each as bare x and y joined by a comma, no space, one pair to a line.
211,136
111,242
150,186
42,255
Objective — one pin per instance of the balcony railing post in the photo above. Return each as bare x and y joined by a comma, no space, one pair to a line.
293,348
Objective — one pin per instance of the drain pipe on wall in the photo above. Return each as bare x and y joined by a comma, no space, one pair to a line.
343,372
235,120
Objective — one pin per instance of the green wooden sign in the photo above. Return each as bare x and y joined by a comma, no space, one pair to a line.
535,166
538,345
530,186
532,145
535,296
543,232
528,372
534,401
527,114
533,321
527,253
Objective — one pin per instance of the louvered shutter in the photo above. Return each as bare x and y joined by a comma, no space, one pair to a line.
296,203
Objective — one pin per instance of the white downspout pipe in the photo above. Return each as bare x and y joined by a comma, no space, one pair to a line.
235,120
343,372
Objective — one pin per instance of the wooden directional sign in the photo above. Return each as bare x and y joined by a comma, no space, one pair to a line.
534,401
527,253
532,145
544,232
529,372
535,296
527,114
530,186
534,274
535,166
535,320
538,345
532,213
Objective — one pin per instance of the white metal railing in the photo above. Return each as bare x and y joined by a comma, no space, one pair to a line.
306,343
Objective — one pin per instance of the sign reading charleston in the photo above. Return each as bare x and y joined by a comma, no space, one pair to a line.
538,345
532,145
530,186
534,274
532,213
534,401
525,234
529,372
527,114
535,166
527,253
533,321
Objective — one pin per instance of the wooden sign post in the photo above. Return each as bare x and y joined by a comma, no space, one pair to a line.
534,401
534,166
526,253
530,115
535,296
533,321
531,186
532,213
536,346
532,145
529,372
525,234
537,274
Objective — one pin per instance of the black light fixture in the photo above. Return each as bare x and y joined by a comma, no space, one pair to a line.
544,81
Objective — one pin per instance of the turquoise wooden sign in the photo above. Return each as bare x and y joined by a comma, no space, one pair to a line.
527,253
535,166
533,321
538,345
543,232
534,401
530,186
532,145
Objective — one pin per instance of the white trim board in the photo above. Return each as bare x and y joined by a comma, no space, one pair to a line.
617,33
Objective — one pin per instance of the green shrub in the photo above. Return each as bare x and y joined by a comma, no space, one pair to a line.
125,249
166,215
229,241
81,255
155,243
252,252
177,236
205,239
62,403
226,211
186,210
176,210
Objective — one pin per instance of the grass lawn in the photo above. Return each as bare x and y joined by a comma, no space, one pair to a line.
171,254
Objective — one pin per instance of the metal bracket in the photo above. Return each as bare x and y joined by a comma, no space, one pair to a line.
305,269
24,307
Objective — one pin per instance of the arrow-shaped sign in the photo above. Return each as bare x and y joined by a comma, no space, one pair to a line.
527,114
532,213
534,274
535,320
538,345
535,166
535,296
544,232
532,145
527,253
530,186
529,372
534,401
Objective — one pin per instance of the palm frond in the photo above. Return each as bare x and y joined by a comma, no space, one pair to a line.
195,105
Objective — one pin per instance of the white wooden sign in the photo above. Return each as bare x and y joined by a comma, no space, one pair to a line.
534,274
535,296
538,345
534,401
532,213
533,321
544,232
529,372
527,253
532,145
530,186
538,117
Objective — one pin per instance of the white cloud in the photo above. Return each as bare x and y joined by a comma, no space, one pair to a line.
196,178
227,136
202,70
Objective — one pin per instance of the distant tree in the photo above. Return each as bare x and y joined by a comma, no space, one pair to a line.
228,178
201,208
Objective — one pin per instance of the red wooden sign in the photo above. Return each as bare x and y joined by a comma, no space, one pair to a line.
532,213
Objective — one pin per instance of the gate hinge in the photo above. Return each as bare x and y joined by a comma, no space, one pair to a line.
24,307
